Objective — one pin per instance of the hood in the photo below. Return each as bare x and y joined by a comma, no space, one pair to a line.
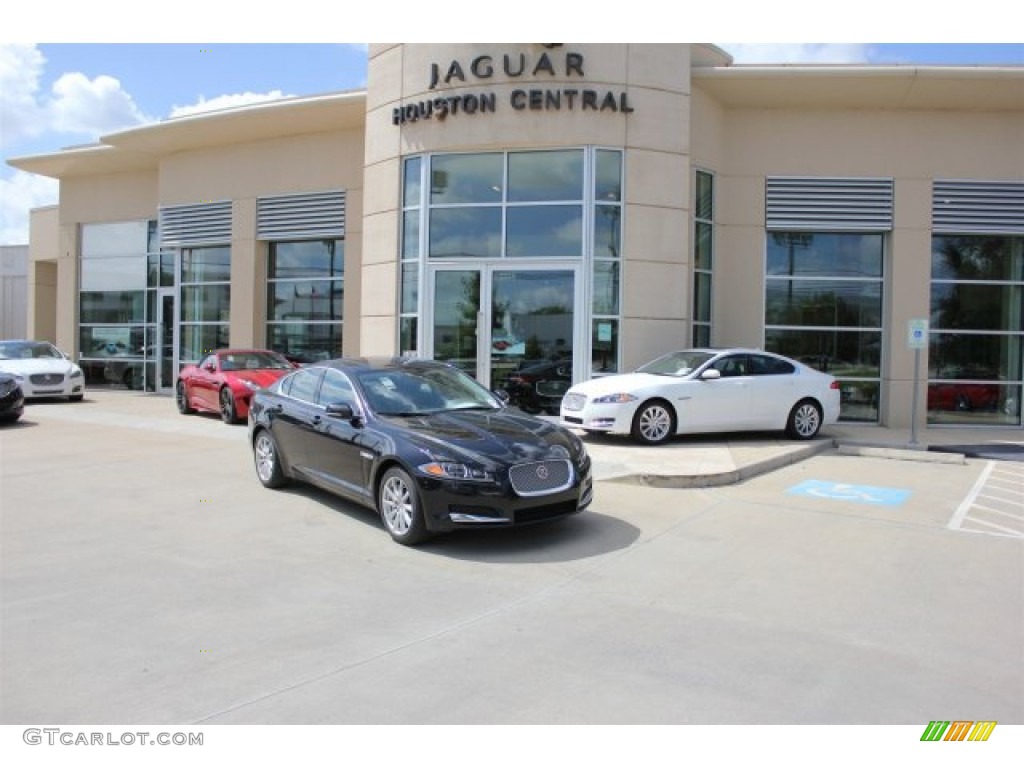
501,436
259,377
622,382
29,366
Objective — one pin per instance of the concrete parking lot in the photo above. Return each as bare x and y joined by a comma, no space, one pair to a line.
147,577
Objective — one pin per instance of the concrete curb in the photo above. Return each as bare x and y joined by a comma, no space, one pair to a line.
726,478
902,454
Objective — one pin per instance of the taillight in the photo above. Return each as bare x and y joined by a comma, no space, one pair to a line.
834,384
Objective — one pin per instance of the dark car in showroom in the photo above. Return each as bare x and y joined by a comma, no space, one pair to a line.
12,398
537,386
421,442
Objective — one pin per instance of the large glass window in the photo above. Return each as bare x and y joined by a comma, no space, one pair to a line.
703,253
205,313
112,320
563,204
823,306
306,299
976,343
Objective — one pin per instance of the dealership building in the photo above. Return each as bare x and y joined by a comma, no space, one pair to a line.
495,205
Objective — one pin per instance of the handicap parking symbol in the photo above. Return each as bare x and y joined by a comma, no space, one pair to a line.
862,494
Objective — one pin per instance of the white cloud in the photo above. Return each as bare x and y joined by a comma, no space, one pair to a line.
76,105
20,192
225,102
798,53
20,68
91,107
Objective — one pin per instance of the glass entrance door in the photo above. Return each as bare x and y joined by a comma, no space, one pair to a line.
164,351
511,328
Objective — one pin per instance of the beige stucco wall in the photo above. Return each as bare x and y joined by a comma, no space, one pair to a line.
655,138
43,252
246,171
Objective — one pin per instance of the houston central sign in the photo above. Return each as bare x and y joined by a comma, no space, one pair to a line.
534,68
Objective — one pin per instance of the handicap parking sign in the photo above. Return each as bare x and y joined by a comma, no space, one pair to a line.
862,494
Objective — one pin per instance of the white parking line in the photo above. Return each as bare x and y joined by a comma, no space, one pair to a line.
968,502
992,478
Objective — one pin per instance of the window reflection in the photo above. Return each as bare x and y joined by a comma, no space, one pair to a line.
466,178
549,230
545,176
306,298
473,233
976,347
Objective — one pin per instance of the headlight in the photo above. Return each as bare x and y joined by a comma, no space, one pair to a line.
251,385
76,373
449,470
618,397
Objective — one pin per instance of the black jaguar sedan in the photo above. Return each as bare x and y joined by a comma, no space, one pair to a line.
421,442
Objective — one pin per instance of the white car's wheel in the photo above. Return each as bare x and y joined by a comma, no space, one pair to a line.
804,420
654,423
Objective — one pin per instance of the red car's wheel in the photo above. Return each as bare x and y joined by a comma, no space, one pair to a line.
182,399
228,412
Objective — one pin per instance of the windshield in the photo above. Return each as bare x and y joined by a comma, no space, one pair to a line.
27,350
415,391
681,363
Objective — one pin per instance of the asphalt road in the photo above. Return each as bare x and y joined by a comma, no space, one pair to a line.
147,577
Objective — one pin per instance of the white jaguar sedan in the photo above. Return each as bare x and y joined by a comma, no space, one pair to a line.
706,390
45,370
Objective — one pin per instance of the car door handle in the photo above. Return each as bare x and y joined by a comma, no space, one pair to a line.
316,420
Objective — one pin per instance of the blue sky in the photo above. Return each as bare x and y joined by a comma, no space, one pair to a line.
58,95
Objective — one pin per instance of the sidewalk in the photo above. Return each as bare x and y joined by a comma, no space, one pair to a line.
707,460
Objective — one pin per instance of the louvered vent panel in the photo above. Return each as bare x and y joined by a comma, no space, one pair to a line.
200,224
828,204
291,217
978,207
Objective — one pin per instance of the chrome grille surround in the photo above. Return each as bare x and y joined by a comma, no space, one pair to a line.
539,478
46,379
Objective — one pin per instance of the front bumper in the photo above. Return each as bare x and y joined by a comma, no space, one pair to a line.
451,504
12,404
613,418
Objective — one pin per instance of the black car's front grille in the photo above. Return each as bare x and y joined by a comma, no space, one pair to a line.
541,477
46,379
546,512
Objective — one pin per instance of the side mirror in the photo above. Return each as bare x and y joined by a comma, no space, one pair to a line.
502,395
340,410
711,374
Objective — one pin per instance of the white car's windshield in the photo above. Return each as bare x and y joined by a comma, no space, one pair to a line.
27,350
681,363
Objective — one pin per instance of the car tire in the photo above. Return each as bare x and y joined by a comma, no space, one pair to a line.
804,420
267,459
181,397
654,423
226,401
400,508
9,418
128,379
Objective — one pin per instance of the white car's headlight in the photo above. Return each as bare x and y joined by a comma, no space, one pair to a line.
450,470
618,397
76,373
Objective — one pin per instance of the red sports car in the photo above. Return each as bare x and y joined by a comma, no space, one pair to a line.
225,380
